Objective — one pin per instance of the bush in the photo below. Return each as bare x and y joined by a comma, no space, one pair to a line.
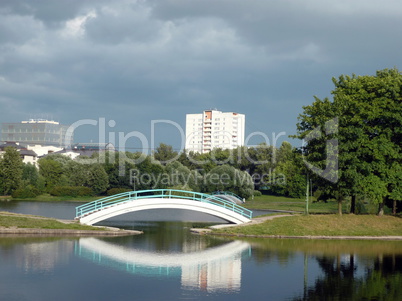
114,191
26,192
257,193
74,191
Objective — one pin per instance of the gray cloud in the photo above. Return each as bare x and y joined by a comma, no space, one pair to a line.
133,61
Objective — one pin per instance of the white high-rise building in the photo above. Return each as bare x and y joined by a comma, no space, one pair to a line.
214,129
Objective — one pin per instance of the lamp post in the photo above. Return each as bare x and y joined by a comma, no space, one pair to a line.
307,193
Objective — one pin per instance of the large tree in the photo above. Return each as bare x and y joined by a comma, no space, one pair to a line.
97,178
353,143
11,169
52,172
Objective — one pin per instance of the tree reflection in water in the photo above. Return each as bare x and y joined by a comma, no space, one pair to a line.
382,279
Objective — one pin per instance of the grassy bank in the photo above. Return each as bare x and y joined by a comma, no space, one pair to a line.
270,202
50,198
10,220
323,225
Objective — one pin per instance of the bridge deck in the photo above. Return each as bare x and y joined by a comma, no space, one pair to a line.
118,199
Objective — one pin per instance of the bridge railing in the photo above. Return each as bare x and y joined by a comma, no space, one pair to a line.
113,200
227,193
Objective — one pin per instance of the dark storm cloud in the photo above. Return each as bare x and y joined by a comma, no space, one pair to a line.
50,12
134,61
122,24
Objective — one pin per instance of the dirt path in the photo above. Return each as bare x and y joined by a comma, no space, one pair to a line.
254,221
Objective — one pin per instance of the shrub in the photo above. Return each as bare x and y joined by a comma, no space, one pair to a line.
114,191
26,192
74,191
257,193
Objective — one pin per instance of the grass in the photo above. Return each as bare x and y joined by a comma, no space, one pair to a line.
271,202
323,225
10,220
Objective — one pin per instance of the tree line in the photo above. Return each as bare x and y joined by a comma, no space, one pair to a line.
242,171
352,152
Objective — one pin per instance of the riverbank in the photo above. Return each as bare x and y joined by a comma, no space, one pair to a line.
22,224
50,198
315,227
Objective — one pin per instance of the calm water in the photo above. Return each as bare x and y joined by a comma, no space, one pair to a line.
169,263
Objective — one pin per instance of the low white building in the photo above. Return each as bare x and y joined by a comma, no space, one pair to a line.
28,156
42,150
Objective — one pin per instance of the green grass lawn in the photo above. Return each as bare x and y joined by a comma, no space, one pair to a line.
9,220
327,225
271,202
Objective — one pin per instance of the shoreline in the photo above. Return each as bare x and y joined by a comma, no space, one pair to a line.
259,220
36,230
6,232
10,230
209,232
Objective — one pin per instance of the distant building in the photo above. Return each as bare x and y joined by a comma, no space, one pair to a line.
36,132
94,146
27,156
86,149
214,129
42,150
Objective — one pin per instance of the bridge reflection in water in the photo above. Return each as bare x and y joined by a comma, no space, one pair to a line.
212,269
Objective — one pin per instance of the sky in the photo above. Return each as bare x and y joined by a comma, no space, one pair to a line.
118,68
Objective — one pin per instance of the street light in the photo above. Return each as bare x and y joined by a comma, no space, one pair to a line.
307,193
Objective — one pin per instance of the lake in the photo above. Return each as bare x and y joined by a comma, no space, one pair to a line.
167,262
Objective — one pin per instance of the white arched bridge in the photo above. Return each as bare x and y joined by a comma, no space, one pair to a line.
132,201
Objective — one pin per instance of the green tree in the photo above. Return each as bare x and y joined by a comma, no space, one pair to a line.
149,174
289,176
118,167
245,158
365,121
164,154
261,164
51,171
76,173
30,175
11,169
204,163
181,177
376,102
228,178
97,178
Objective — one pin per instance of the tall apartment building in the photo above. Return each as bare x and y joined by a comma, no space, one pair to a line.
35,131
214,129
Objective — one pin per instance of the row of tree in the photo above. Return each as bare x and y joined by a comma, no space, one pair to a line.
241,171
352,151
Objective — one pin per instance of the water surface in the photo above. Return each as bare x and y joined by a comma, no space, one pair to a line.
167,262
